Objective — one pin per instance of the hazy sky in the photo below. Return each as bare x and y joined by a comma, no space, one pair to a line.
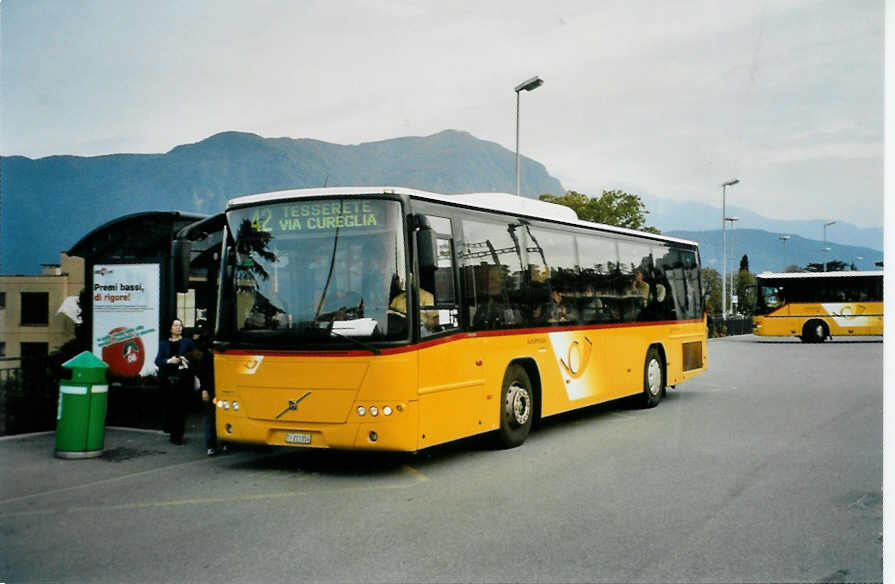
658,98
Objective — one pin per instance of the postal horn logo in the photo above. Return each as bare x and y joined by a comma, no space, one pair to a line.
576,358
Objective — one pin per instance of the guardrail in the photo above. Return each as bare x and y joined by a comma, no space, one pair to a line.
732,325
29,390
28,393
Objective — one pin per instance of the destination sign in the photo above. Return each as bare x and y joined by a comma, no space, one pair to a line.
320,215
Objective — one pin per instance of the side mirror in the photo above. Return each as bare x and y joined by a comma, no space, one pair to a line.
427,248
181,252
426,242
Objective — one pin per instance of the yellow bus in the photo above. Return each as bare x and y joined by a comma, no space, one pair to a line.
815,306
397,319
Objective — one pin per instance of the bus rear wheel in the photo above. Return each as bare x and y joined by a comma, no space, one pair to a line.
814,331
516,407
653,378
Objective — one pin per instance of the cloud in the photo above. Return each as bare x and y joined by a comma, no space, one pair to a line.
672,98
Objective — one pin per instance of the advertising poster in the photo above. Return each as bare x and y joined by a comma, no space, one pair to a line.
126,316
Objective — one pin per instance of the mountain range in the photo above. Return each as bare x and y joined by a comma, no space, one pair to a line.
52,202
768,253
48,204
693,216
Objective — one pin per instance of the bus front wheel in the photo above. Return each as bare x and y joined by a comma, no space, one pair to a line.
814,331
653,378
516,407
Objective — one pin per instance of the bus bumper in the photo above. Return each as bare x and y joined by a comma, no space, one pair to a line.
395,431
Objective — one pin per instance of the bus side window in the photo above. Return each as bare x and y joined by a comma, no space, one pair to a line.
553,273
438,298
492,275
635,283
597,274
670,271
691,277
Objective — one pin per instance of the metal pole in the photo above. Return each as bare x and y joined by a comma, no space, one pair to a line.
733,257
724,251
784,239
826,249
528,85
517,143
733,270
724,186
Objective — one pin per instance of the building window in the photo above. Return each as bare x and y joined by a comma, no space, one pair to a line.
2,300
35,308
2,349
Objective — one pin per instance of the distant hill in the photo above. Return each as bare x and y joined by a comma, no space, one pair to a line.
670,215
766,251
48,204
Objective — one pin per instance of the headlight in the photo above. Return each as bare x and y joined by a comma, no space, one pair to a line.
236,406
387,410
361,411
374,411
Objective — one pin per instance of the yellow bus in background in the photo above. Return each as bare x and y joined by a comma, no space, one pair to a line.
396,319
815,306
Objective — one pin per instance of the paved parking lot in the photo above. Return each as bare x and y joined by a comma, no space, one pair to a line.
766,468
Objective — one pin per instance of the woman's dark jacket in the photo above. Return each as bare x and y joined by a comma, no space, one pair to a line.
166,369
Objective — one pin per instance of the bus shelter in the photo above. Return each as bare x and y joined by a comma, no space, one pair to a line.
131,298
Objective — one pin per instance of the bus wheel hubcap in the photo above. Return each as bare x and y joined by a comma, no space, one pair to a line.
518,404
654,377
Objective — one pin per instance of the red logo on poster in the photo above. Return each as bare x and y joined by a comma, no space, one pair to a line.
125,357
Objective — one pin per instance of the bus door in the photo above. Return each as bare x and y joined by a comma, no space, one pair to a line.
451,375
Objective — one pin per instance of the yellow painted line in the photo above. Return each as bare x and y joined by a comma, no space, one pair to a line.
105,481
208,500
420,477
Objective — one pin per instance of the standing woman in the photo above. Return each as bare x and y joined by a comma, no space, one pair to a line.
176,378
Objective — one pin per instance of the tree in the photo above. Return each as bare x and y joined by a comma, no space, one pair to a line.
711,285
744,263
832,266
745,291
612,208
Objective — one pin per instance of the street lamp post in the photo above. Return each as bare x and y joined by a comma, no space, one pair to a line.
784,239
826,249
724,186
528,85
732,221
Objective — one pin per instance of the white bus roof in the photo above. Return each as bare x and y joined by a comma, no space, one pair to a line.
797,275
503,202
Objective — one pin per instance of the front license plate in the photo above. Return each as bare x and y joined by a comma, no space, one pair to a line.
298,438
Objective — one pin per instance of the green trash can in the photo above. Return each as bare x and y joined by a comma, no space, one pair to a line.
81,411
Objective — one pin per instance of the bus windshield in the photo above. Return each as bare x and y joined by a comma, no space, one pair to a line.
769,297
315,274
